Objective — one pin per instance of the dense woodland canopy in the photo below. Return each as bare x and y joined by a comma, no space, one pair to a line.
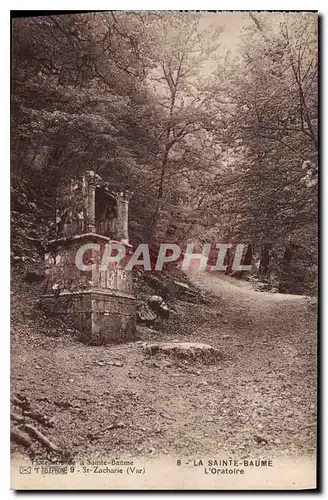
216,146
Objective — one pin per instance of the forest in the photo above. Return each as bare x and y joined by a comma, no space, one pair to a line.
215,133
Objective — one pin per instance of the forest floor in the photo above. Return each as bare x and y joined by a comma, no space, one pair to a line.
258,401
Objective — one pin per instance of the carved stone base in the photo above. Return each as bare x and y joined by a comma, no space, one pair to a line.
100,317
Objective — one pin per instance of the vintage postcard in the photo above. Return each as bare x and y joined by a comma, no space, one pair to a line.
164,250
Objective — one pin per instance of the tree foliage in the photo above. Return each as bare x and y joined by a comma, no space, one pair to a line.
214,148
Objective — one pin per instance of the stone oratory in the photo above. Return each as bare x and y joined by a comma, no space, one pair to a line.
98,303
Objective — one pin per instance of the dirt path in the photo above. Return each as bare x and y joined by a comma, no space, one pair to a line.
275,369
226,286
258,308
258,401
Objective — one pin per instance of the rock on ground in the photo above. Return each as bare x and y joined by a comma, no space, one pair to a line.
189,350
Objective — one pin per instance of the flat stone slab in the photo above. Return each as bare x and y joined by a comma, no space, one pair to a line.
189,350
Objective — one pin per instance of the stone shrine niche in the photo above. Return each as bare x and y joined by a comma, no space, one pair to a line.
105,213
87,205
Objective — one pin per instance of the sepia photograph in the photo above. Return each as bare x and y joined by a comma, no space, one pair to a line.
164,203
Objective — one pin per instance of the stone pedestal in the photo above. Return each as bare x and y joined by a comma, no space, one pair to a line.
98,303
99,318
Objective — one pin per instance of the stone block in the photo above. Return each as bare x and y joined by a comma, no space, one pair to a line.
98,318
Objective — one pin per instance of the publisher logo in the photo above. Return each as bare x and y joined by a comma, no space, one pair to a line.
25,469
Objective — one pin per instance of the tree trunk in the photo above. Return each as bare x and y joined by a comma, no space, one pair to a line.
247,260
265,259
